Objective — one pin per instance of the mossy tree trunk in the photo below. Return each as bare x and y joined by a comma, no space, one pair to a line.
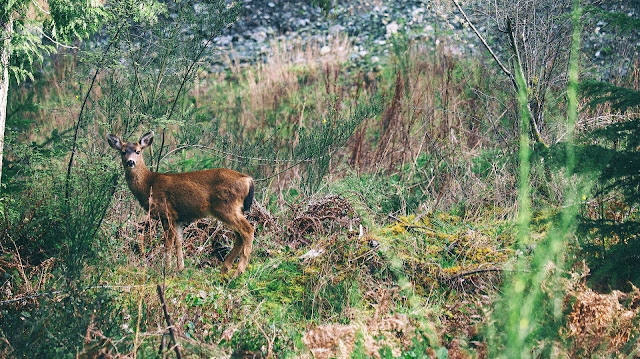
7,32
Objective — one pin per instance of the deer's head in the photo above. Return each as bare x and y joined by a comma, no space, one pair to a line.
131,153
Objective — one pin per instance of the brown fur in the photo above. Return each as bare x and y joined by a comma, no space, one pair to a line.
176,198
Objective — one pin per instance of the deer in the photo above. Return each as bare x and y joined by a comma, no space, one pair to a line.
179,198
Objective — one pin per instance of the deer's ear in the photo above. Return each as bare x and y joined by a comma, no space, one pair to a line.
146,140
114,142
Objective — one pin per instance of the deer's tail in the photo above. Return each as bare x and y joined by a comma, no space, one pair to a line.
248,200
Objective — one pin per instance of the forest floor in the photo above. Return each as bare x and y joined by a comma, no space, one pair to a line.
324,283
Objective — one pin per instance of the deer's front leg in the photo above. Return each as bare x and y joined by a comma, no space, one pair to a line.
169,236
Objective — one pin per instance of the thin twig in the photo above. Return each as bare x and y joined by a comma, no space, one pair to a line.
294,161
182,84
125,288
257,159
32,296
176,347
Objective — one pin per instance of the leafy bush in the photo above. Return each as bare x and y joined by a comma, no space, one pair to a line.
44,235
61,324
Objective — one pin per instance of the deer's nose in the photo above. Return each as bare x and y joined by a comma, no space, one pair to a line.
130,163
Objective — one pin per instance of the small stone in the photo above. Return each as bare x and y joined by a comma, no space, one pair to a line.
392,29
259,36
223,40
336,30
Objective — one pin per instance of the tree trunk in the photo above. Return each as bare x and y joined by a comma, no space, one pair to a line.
7,32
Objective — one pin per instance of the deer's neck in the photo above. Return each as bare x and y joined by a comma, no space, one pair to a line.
138,179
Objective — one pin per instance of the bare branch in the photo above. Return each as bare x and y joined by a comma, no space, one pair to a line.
35,3
518,66
54,41
475,271
486,45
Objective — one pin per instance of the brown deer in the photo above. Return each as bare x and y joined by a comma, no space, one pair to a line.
177,198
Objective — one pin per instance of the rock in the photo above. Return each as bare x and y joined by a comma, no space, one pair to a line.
259,36
223,40
325,50
392,29
370,24
336,30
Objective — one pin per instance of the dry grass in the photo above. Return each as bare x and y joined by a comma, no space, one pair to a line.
324,215
602,324
339,341
289,67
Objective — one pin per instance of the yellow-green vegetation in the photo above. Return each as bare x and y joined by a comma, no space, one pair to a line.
439,250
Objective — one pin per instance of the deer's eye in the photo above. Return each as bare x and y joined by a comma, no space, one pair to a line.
137,152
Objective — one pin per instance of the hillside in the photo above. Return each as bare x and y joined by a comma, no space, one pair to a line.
415,195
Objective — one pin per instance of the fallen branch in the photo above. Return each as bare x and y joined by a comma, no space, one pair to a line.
176,347
31,296
475,271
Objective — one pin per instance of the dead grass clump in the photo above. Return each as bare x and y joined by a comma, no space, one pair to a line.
324,215
341,272
602,324
340,341
97,345
26,260
478,261
463,321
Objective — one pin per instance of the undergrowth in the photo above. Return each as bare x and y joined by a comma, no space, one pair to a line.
388,217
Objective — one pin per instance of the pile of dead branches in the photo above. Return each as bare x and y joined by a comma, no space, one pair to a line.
323,215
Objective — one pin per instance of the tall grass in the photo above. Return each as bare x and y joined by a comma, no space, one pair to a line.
528,316
435,138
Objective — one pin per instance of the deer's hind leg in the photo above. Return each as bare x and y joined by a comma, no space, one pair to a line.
233,254
244,240
246,231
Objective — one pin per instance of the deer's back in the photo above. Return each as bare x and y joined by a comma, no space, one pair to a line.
192,195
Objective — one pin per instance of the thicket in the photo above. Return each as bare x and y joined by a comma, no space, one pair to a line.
420,150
